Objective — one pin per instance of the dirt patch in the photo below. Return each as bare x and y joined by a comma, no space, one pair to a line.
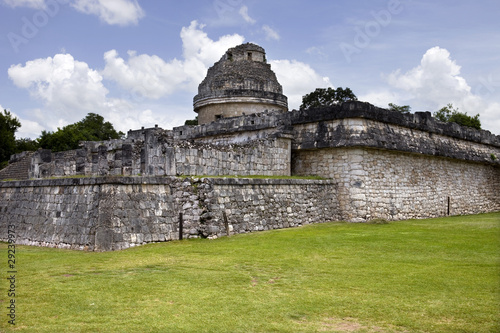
352,325
344,325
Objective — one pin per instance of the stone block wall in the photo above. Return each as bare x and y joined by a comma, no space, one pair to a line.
153,157
237,107
263,204
50,213
362,132
375,183
269,157
112,213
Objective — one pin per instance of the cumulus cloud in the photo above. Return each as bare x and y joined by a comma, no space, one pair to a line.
60,81
29,128
270,33
70,89
244,13
144,75
152,77
200,52
120,12
436,80
297,79
434,83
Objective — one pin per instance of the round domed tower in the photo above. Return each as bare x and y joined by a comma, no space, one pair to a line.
240,83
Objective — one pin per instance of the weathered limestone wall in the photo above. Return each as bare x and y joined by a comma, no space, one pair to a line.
154,157
362,132
238,129
114,157
237,107
261,157
374,183
112,213
50,213
263,204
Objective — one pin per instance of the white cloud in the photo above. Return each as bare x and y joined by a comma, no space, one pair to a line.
151,77
120,12
297,79
60,81
380,98
29,128
144,75
244,13
70,89
197,44
270,33
436,80
35,4
434,83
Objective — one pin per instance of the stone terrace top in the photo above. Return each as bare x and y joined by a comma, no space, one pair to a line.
422,121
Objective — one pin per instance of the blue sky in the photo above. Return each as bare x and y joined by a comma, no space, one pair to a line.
138,63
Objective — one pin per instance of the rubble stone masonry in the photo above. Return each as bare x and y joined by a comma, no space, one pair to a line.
113,213
375,183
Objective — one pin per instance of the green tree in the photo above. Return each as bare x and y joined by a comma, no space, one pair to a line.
26,144
399,108
452,115
327,97
8,127
192,122
91,128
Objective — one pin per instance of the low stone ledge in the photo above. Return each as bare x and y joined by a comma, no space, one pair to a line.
160,180
150,180
268,181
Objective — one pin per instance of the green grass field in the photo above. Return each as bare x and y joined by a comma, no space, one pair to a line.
436,275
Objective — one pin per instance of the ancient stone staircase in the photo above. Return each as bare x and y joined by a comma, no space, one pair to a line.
17,169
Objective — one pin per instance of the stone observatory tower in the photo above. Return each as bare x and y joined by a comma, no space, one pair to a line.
240,83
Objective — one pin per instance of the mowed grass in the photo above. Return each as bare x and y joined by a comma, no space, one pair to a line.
436,275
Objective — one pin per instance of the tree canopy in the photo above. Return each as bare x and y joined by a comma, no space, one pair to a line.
327,97
91,128
8,127
399,108
452,115
192,122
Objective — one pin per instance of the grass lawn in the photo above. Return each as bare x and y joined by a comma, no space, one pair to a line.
436,275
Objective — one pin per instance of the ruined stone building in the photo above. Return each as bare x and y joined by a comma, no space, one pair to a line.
158,185
240,83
